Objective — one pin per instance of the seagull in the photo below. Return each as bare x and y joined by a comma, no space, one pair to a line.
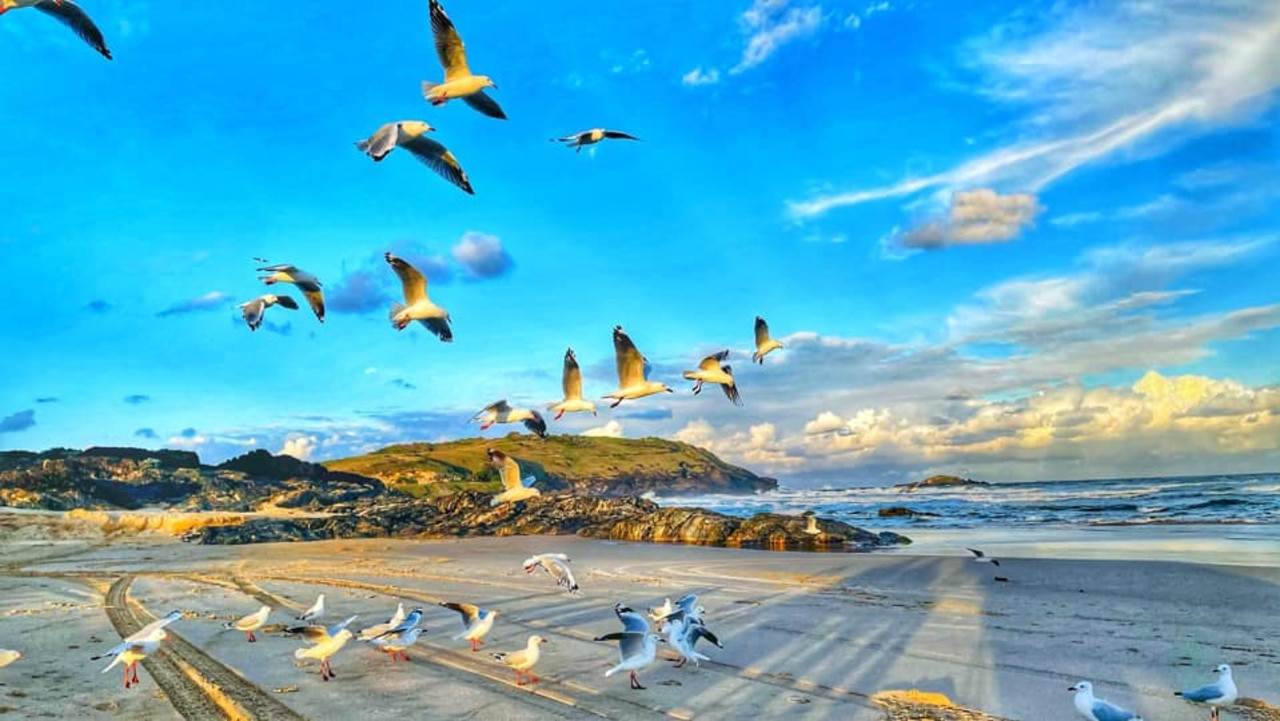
658,613
307,283
324,650
412,136
637,647
7,657
394,644
980,557
680,636
250,623
1219,693
67,13
1096,709
557,564
476,622
255,309
689,612
500,412
572,383
315,613
138,646
410,621
812,527
458,80
524,660
375,630
318,634
591,137
633,371
710,370
417,306
513,488
764,344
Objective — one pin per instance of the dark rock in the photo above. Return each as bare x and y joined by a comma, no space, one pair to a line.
939,481
899,511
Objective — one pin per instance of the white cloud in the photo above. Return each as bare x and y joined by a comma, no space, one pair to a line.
1098,84
482,256
300,446
975,217
698,76
770,24
612,429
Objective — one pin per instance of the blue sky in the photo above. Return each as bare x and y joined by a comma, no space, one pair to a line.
1022,240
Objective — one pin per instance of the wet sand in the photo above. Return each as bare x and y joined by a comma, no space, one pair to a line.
811,636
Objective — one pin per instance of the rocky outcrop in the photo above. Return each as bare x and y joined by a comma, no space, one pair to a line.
937,482
903,511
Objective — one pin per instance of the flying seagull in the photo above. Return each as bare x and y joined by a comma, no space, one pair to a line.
591,137
306,282
476,622
513,487
501,412
67,13
572,384
1095,709
250,623
412,136
254,310
458,80
637,647
711,370
633,371
417,306
524,660
137,646
980,557
556,564
1219,693
764,344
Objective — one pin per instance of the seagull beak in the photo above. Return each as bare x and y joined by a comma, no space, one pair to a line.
1071,688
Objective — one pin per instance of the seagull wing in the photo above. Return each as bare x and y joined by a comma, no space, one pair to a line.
279,268
382,141
619,135
712,362
1103,711
313,634
438,158
731,389
510,474
71,15
562,573
453,54
572,380
315,299
287,301
485,104
688,602
499,408
440,327
976,552
1204,693
414,282
470,614
762,332
632,622
629,361
253,311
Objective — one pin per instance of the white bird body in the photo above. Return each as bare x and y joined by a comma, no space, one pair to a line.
251,623
68,13
523,660
253,311
7,657
1096,709
412,136
812,527
324,650
514,488
417,305
682,641
632,368
315,613
764,344
137,646
502,412
458,80
395,643
710,370
378,629
637,647
571,382
476,622
1223,692
556,564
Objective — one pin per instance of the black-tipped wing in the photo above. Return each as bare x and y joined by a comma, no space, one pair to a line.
485,104
731,389
632,622
762,331
449,47
619,135
572,379
315,298
382,141
470,614
536,425
71,15
630,364
287,301
438,158
712,362
412,280
440,327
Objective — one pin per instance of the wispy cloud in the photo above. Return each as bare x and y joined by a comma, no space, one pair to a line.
47,399
1094,82
212,300
771,24
699,76
20,421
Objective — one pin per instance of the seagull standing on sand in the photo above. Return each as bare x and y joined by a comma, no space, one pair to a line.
254,310
633,371
7,657
410,621
637,647
412,136
764,344
980,557
250,623
67,13
1219,693
307,283
692,629
513,487
138,646
591,137
458,80
556,564
377,629
1095,709
417,306
323,650
710,370
315,613
316,633
572,384
680,636
501,412
524,660
395,643
476,622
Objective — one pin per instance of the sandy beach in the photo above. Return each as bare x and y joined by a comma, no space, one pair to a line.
806,635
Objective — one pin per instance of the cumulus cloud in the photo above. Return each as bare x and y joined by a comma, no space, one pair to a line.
360,291
975,217
20,421
771,24
300,446
482,256
212,300
136,399
147,433
699,76
612,429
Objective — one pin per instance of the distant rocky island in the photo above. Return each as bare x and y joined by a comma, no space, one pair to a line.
423,490
937,482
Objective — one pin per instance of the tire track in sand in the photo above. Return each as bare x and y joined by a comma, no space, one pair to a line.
198,686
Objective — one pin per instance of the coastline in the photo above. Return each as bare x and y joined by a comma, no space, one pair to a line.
806,635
